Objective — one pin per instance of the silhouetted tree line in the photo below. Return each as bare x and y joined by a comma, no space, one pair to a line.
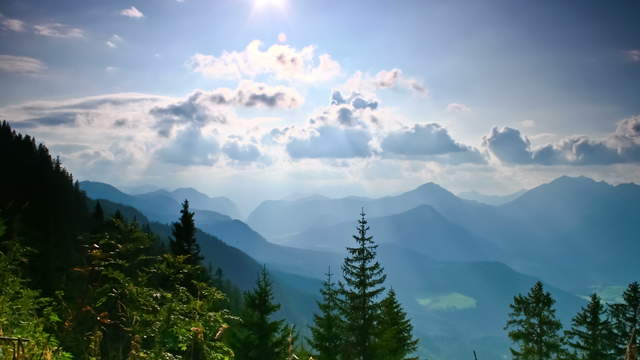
598,332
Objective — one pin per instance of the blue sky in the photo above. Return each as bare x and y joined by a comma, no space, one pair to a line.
332,97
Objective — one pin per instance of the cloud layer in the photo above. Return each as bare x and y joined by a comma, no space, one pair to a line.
622,146
281,61
21,65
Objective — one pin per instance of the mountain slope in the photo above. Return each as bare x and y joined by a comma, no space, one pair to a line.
421,229
278,218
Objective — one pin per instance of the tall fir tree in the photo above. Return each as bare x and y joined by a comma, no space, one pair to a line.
184,236
591,333
395,333
533,325
98,213
626,317
326,331
360,307
258,337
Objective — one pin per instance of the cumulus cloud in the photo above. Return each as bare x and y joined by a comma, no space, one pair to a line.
58,30
282,61
508,145
242,152
21,65
622,146
458,108
190,147
203,107
132,12
331,142
426,139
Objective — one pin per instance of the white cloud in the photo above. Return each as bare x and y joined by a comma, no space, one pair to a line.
385,79
458,108
282,61
21,65
633,55
132,12
622,146
58,30
114,41
13,24
528,123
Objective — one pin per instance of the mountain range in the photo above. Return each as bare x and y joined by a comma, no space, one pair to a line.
455,263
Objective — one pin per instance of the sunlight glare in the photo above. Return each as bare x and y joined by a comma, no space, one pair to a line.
262,4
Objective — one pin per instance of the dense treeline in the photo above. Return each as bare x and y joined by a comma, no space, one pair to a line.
597,332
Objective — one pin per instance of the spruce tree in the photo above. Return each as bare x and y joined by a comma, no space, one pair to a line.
98,213
591,333
326,333
184,236
360,307
258,337
394,339
626,317
534,326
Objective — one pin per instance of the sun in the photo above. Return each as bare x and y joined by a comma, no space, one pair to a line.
264,4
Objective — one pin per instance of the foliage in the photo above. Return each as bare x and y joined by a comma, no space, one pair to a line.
23,312
591,335
184,236
533,325
363,278
258,337
626,317
326,331
394,339
134,304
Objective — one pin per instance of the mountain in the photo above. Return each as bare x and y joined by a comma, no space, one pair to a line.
296,293
491,199
585,230
198,200
421,229
279,218
161,205
457,307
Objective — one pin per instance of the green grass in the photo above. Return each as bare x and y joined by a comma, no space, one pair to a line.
452,301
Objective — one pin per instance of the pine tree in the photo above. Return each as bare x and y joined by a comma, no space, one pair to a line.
394,339
184,236
326,333
360,309
591,334
534,326
626,317
258,337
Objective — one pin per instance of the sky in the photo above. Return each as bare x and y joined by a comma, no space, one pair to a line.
261,99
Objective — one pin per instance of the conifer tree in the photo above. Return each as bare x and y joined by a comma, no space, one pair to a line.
98,213
626,317
258,337
534,326
360,307
591,333
184,236
326,329
394,339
